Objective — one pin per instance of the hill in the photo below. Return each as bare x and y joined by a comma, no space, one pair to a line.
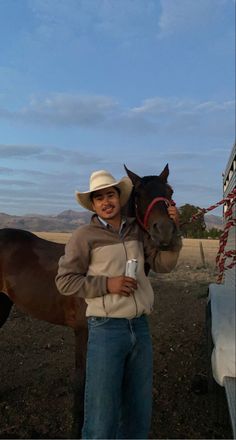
68,220
213,221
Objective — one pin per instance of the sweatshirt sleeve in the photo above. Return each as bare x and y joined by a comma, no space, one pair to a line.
72,278
161,261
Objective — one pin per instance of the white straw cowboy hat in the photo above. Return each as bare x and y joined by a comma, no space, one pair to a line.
100,180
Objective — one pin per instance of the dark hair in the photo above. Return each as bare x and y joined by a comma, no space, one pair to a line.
92,193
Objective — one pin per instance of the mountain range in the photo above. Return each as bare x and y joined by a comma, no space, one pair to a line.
69,220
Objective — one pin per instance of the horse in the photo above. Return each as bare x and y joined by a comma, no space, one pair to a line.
28,266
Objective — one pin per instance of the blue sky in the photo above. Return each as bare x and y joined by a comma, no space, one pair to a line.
94,84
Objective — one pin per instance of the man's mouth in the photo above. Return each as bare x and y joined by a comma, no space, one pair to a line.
108,209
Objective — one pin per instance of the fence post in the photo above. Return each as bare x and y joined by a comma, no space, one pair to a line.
202,255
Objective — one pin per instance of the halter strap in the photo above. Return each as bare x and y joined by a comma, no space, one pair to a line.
149,209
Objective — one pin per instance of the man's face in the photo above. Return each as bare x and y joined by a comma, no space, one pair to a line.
106,203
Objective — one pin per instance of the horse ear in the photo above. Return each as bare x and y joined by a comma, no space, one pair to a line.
164,174
133,177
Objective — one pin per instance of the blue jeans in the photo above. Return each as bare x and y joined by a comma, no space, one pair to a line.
118,391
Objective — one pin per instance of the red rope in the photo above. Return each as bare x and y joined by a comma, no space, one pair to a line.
222,254
230,197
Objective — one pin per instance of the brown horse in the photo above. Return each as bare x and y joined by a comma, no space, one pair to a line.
28,266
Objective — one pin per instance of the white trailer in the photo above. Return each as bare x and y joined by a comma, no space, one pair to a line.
221,308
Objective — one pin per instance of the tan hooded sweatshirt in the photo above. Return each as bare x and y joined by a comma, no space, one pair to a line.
95,252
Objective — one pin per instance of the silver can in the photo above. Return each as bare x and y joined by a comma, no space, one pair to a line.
131,268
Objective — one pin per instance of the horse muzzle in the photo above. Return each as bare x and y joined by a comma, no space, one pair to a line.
162,232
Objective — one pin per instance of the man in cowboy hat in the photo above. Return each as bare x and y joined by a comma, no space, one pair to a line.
118,392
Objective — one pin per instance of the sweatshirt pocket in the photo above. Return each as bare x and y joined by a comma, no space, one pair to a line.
119,306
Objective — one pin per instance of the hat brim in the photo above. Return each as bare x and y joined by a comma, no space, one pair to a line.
125,186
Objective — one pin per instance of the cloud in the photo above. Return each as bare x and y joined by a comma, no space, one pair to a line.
180,16
16,182
153,115
5,170
202,196
159,105
24,171
185,117
42,190
196,189
19,151
41,196
212,106
33,194
33,190
181,156
64,109
123,19
46,154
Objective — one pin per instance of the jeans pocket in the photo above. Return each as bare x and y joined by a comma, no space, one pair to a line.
96,321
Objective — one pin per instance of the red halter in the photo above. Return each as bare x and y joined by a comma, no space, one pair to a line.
149,209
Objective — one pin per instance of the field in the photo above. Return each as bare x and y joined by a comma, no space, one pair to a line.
190,253
37,363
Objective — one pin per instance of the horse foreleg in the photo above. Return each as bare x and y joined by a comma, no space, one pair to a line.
81,336
5,307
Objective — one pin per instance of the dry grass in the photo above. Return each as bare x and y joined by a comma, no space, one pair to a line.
58,237
190,253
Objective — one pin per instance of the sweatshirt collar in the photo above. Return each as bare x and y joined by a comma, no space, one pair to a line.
96,221
108,226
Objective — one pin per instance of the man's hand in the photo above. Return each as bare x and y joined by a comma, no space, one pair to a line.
174,214
121,285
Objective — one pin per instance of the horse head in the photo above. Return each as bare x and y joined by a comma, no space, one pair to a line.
149,201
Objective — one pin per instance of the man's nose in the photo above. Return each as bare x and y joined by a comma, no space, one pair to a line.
106,199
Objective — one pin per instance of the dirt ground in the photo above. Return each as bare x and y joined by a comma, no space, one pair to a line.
37,363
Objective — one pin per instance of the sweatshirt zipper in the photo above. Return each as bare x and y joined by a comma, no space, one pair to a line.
135,302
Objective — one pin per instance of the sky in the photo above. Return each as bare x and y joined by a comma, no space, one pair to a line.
96,84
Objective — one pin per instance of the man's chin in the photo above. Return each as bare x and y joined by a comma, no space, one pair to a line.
108,213
108,216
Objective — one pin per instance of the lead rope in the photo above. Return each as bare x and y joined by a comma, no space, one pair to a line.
222,254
